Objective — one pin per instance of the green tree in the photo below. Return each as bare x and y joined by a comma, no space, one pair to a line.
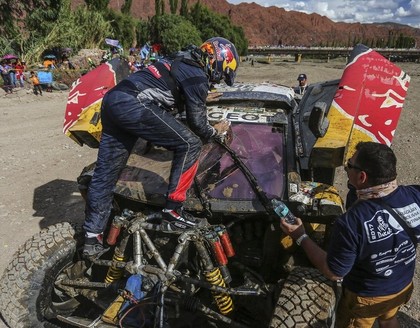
183,11
173,6
31,27
98,5
41,19
404,41
10,15
124,27
126,7
211,24
142,32
24,20
173,32
159,7
70,31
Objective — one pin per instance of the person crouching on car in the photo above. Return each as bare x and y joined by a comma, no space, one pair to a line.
143,105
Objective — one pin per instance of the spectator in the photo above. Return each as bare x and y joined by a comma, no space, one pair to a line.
131,64
132,51
67,63
12,73
303,84
49,63
373,254
153,58
145,52
7,85
144,105
20,72
35,83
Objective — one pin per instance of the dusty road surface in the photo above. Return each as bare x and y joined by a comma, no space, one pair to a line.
39,165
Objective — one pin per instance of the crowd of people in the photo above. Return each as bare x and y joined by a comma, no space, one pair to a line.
141,57
16,75
13,74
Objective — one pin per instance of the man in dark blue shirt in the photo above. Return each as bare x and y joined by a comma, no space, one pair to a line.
303,84
370,251
144,105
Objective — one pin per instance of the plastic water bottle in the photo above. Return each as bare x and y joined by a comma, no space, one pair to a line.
283,211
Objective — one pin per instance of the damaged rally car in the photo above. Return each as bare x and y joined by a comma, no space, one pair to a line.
240,270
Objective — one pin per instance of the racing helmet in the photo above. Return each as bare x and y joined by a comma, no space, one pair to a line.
222,60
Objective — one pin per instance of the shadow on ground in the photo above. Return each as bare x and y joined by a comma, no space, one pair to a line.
407,322
58,201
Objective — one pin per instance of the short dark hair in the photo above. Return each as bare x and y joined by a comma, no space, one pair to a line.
378,161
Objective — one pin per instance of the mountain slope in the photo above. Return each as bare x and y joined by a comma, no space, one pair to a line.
276,26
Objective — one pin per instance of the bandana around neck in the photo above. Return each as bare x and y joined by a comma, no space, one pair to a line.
378,191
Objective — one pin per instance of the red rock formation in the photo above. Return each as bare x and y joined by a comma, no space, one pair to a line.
275,26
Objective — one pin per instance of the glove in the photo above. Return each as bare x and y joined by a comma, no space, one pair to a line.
225,136
222,127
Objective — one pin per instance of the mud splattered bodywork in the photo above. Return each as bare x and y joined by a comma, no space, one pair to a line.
263,139
240,270
286,145
146,176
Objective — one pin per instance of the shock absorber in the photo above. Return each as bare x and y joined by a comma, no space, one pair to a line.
224,301
225,240
115,230
214,238
217,248
114,273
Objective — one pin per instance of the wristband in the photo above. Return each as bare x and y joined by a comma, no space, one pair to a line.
301,238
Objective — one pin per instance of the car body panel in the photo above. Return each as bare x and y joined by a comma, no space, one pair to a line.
82,117
281,146
367,105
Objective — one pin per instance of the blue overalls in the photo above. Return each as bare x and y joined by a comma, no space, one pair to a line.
141,106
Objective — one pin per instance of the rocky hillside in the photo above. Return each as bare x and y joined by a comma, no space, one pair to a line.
276,26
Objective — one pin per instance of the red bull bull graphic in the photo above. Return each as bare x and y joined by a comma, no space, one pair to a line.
229,59
82,118
86,91
367,110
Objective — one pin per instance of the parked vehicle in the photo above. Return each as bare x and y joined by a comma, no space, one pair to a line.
240,270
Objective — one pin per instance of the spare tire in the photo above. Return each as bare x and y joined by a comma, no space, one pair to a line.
307,299
59,86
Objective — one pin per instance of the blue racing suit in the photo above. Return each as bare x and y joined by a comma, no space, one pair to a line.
142,106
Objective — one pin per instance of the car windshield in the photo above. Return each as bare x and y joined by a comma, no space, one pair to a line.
260,149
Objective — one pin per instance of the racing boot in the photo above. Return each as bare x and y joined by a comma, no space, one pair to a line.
178,219
94,246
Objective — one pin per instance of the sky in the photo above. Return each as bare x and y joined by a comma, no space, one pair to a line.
352,11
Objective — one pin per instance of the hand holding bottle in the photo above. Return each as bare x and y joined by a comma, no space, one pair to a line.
283,211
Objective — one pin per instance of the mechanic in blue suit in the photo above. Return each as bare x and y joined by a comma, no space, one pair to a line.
370,250
143,105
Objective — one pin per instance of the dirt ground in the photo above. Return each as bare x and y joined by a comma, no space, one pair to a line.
39,164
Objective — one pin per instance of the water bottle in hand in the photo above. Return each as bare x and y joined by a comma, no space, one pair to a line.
283,211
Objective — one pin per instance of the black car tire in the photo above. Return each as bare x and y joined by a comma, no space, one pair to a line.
307,299
27,285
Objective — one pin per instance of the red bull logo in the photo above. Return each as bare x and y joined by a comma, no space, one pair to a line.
227,53
154,71
229,59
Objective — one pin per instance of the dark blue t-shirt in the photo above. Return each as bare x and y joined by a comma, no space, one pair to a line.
371,250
